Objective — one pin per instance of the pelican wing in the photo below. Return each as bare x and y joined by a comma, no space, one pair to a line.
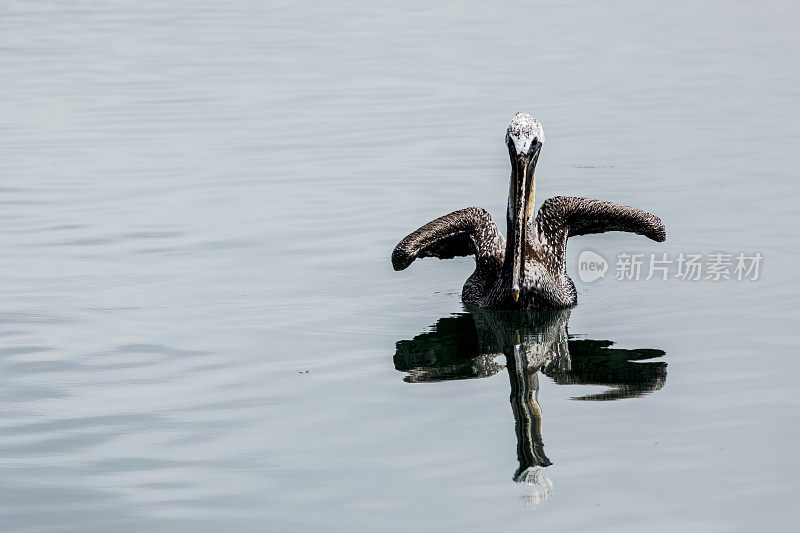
582,216
561,217
469,231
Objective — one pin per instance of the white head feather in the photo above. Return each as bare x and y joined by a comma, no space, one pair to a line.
523,129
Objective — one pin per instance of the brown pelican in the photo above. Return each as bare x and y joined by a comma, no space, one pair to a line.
528,270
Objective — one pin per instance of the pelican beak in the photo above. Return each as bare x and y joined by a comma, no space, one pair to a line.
523,166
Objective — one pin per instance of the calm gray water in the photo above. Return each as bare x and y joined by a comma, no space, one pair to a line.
201,330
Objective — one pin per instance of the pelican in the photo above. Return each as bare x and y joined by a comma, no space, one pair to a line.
528,269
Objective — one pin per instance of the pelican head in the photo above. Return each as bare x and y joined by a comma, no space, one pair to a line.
524,138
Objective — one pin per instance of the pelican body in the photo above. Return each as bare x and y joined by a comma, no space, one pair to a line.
528,269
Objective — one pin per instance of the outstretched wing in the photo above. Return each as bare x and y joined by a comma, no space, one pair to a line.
561,217
469,231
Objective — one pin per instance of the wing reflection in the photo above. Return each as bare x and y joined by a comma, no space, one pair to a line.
481,342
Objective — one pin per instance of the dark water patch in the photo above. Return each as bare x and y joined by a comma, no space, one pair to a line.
21,350
152,235
156,349
12,317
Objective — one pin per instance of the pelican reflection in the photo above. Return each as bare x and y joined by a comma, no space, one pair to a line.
480,343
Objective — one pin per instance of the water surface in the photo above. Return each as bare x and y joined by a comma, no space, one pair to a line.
201,329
